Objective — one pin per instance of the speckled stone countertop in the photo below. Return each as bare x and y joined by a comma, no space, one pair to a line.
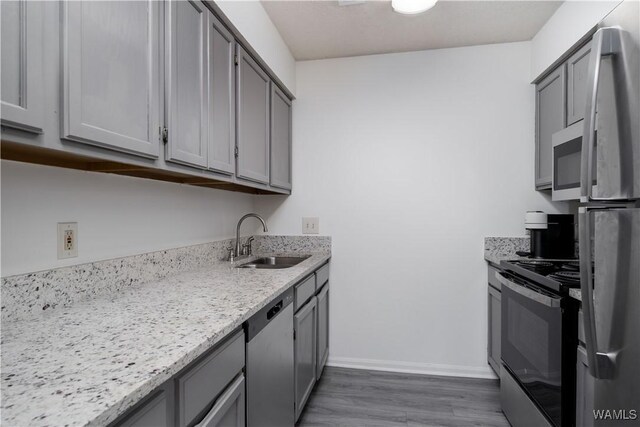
576,294
88,363
497,249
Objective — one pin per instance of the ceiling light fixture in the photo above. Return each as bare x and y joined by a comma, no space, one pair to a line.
412,7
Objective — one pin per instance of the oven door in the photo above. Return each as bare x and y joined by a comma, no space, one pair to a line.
532,342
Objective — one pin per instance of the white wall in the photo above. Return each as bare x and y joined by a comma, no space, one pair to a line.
410,160
252,21
567,25
117,216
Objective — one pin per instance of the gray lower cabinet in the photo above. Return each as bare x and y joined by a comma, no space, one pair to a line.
22,71
187,81
493,341
280,139
577,69
209,392
323,329
252,119
305,353
110,75
551,116
584,390
229,409
156,411
494,321
221,99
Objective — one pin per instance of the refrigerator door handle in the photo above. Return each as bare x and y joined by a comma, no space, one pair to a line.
603,44
601,364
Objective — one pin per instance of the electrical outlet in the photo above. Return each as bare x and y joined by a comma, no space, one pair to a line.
311,225
67,240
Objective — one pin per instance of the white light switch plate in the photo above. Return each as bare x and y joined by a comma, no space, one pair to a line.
310,225
67,240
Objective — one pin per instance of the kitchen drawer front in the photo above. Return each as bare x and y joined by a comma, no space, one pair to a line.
493,280
304,291
229,409
155,412
322,276
201,384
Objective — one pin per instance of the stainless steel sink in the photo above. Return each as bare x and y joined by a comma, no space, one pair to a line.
274,262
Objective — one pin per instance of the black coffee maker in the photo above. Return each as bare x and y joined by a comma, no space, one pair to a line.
552,235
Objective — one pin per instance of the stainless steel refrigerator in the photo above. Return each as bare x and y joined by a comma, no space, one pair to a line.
609,217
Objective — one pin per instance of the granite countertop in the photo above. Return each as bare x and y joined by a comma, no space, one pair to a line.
88,363
497,249
575,293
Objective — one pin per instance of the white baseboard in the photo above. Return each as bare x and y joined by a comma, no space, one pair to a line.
412,367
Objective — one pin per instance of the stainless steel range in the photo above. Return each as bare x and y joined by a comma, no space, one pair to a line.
539,340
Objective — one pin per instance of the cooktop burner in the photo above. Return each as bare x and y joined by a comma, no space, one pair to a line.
556,275
566,277
570,266
535,263
540,267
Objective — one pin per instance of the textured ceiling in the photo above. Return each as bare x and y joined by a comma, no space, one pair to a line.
323,29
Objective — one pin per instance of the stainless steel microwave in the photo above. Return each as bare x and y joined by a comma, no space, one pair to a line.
567,163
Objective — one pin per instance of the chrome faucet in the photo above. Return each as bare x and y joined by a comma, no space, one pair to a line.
238,244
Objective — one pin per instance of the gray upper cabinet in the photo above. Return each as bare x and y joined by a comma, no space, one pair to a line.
280,139
222,124
323,329
111,92
21,41
305,326
577,68
252,120
186,44
551,116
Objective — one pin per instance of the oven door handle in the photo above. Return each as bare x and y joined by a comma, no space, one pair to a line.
529,293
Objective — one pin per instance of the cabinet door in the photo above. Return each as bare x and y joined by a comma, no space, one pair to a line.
229,409
323,329
280,139
155,412
252,103
495,326
110,74
186,41
577,68
21,41
305,326
584,391
551,116
222,123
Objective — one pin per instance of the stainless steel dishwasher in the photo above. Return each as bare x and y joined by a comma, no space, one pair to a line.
270,387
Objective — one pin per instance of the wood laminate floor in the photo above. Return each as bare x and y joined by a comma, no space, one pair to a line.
354,397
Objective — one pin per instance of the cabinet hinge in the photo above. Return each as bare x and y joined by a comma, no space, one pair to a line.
164,134
294,334
235,59
235,152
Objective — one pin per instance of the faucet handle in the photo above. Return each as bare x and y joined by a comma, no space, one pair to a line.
246,248
232,254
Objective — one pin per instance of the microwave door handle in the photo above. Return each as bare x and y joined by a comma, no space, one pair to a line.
528,293
600,363
602,45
